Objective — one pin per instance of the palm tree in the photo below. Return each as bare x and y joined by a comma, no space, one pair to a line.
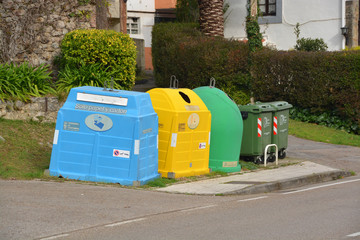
211,17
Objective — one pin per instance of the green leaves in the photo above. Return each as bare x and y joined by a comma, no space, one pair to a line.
180,49
318,81
310,45
253,34
20,82
89,75
329,119
89,57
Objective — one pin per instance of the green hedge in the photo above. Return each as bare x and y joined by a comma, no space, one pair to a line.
319,81
180,49
110,51
322,83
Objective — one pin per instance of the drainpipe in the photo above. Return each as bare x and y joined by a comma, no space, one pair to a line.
343,21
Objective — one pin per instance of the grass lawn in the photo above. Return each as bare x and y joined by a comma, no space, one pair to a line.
319,133
26,151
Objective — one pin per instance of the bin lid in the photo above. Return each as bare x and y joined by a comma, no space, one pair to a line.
215,97
281,105
112,102
182,99
257,108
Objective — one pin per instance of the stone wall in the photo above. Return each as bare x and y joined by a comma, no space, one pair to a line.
31,30
39,109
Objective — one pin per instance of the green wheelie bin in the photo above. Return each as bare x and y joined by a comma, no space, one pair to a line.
226,129
280,126
257,120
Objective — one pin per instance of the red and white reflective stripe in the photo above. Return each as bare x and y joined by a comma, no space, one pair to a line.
275,126
259,127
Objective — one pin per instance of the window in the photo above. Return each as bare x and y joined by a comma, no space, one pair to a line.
133,25
267,7
271,11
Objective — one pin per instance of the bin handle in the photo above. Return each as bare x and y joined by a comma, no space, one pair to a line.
106,82
212,82
174,83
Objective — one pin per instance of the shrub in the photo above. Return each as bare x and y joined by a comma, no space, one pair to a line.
20,82
318,81
181,50
89,75
310,45
329,119
111,51
187,10
352,49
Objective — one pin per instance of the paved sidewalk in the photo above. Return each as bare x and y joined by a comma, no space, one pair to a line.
260,181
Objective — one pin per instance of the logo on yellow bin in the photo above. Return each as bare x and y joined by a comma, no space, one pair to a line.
193,120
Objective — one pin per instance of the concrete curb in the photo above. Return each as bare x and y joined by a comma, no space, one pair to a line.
291,183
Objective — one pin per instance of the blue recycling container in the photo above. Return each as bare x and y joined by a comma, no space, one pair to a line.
106,136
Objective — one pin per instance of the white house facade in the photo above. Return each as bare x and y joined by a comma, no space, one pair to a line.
316,18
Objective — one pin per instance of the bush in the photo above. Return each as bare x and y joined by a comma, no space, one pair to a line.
181,50
187,10
318,81
89,75
328,119
20,82
310,45
110,51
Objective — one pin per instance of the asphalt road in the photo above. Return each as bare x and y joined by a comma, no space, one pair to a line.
326,211
69,210
335,156
36,209
43,210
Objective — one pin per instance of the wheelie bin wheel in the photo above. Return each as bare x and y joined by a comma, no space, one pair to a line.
282,154
271,158
259,159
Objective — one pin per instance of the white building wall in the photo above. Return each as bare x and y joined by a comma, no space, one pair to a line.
141,5
317,19
145,11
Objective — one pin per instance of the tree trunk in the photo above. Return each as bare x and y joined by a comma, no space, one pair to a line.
123,16
101,15
211,17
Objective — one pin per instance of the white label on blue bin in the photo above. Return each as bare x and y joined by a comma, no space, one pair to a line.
71,126
56,136
98,122
173,139
86,97
137,147
121,153
202,145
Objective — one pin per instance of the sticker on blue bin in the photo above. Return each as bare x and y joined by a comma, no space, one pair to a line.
137,147
71,126
56,137
98,122
121,153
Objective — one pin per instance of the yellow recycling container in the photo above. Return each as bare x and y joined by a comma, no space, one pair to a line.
184,132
